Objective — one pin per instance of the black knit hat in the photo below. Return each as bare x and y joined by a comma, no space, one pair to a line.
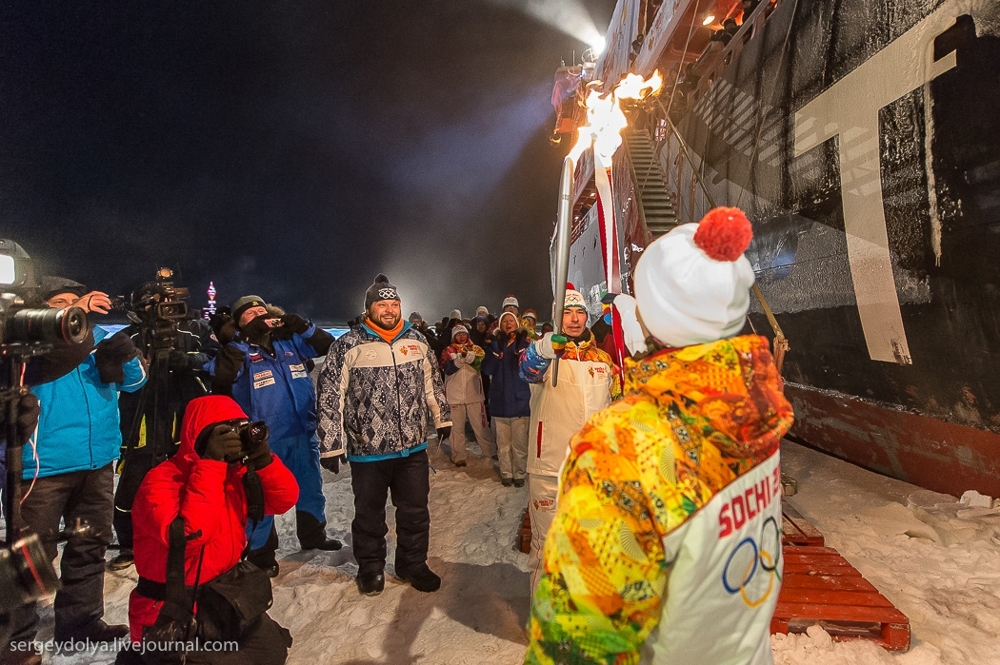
53,286
380,289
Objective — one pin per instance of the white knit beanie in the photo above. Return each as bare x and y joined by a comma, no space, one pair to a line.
692,285
509,301
458,330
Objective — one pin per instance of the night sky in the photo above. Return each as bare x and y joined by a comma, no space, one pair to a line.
291,150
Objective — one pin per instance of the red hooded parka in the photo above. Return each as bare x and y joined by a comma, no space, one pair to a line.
209,495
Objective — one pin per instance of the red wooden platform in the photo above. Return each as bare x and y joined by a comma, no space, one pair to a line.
819,587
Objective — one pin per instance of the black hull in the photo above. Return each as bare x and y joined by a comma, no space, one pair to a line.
908,385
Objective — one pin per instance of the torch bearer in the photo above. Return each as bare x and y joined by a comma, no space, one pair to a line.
562,240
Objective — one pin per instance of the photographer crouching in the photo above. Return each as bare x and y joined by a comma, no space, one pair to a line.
68,471
190,520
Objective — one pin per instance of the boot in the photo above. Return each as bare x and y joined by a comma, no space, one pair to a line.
124,560
420,578
95,631
312,533
371,584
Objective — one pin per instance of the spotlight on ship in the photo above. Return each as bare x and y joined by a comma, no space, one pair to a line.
567,16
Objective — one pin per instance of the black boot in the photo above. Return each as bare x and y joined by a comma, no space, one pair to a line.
420,578
312,533
264,557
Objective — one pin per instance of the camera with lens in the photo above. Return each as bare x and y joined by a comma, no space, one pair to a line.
252,434
20,323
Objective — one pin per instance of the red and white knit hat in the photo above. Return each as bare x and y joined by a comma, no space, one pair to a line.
692,286
509,301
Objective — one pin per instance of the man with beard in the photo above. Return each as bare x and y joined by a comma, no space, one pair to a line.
264,365
588,381
376,388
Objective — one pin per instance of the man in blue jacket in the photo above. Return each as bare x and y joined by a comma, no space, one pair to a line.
69,475
264,365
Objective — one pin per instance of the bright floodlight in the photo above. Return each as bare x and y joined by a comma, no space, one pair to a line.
6,269
708,19
567,16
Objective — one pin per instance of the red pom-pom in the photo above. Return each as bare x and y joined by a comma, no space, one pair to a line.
724,234
570,287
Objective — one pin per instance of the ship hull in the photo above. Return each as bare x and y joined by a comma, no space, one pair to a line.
861,138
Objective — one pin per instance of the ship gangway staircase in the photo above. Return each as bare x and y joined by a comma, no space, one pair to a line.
656,205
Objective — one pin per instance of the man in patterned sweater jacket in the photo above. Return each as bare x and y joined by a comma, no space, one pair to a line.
376,388
666,545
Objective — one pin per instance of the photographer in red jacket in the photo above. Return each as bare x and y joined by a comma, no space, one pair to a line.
204,485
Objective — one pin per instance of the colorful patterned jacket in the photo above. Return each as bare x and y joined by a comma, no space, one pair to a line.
588,381
374,396
677,486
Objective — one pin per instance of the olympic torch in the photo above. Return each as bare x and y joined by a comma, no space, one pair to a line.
562,241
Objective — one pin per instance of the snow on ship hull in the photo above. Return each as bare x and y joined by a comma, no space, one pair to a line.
866,151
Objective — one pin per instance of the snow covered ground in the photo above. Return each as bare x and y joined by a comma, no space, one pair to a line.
935,558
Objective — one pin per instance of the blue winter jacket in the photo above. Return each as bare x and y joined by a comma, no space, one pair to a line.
276,389
78,429
509,393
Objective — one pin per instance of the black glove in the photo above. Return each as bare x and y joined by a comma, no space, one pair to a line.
179,361
331,464
257,330
444,432
27,418
294,323
111,354
259,455
224,328
223,444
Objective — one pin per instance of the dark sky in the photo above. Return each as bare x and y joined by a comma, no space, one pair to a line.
287,149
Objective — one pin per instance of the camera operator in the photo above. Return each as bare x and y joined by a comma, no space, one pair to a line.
264,364
176,350
69,469
205,486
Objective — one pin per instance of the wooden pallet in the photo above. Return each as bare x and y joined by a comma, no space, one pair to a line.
797,530
822,588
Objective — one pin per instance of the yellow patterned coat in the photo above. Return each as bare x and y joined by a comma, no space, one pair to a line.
676,483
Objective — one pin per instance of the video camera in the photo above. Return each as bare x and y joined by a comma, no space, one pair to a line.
156,307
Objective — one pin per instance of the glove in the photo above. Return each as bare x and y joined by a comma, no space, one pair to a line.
110,354
224,327
470,357
223,444
444,432
458,359
551,345
179,361
27,418
259,455
294,323
331,464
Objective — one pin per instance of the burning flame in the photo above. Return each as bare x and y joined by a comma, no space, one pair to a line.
605,119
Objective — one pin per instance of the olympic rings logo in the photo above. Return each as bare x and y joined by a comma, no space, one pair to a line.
751,557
